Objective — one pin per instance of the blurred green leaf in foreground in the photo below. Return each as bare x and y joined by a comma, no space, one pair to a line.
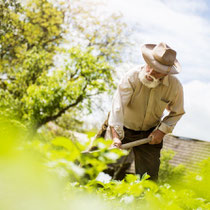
55,175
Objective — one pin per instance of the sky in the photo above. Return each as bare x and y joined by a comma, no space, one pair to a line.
184,26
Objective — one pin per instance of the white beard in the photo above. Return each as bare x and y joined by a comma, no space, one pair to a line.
146,82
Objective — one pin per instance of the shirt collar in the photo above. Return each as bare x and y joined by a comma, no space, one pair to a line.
165,81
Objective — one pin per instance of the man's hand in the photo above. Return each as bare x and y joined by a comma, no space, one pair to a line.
116,143
157,137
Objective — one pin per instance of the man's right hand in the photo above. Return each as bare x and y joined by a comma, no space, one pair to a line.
116,143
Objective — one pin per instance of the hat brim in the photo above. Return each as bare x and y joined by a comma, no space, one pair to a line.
149,59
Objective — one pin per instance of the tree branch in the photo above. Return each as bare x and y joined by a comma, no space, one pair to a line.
62,111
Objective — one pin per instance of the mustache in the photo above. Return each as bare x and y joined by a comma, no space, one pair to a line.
146,82
154,79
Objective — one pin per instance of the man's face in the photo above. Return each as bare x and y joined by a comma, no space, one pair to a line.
152,75
149,77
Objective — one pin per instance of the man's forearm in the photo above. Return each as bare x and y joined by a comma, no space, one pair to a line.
168,123
116,139
114,133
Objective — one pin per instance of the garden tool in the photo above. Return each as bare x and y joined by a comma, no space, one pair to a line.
126,146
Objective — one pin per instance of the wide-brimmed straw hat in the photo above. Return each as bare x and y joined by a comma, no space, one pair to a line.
161,57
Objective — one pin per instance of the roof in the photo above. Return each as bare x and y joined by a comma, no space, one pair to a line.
187,151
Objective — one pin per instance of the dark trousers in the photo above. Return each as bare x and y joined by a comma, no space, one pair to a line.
146,156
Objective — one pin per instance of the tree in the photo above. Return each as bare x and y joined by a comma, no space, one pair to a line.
40,78
90,24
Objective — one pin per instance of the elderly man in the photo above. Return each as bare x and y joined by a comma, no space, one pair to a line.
138,105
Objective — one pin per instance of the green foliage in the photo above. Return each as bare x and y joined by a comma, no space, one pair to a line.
37,25
199,181
83,76
169,173
66,158
71,121
55,175
91,24
28,41
39,79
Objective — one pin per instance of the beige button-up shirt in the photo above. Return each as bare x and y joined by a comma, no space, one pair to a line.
138,107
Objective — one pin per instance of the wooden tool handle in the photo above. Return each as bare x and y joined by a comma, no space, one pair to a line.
136,143
127,145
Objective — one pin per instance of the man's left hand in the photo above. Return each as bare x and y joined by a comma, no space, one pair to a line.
157,137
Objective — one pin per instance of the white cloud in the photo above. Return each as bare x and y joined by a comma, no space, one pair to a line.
192,6
195,123
179,24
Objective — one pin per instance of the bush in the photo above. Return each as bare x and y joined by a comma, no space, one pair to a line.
169,173
55,175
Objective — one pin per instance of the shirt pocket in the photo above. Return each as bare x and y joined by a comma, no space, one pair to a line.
160,107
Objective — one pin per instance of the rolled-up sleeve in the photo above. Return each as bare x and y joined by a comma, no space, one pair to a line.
120,100
176,110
